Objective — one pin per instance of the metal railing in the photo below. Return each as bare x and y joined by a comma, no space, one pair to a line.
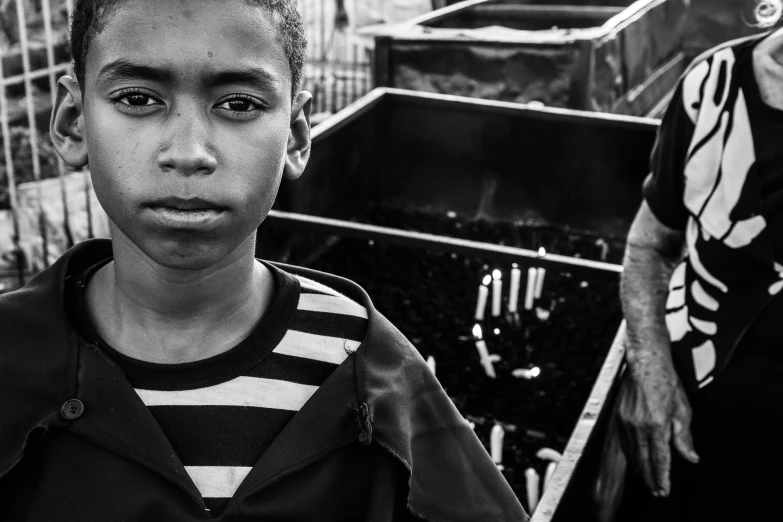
338,66
17,87
41,217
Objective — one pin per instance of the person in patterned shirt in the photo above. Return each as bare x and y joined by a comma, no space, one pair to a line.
703,270
168,374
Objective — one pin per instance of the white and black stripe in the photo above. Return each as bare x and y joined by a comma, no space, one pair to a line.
220,414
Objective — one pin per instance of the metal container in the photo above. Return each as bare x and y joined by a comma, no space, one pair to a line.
567,168
607,58
437,152
617,3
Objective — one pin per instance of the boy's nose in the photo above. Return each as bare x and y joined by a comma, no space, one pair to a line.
187,150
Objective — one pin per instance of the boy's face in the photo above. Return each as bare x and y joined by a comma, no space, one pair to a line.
189,99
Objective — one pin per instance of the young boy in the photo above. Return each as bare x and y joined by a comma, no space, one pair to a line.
167,374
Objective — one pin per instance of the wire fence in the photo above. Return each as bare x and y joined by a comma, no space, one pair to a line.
338,64
45,207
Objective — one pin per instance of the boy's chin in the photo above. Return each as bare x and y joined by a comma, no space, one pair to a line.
186,253
180,250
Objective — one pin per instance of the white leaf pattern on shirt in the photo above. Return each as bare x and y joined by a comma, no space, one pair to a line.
719,159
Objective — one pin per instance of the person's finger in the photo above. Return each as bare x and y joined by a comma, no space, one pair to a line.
642,444
628,438
661,459
683,440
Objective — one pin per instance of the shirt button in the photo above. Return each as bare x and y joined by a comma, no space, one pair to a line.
72,409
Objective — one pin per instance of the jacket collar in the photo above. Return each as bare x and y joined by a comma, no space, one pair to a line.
44,363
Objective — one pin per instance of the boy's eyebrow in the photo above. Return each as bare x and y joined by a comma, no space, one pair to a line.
122,69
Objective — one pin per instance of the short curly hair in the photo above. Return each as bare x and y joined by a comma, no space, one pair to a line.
89,19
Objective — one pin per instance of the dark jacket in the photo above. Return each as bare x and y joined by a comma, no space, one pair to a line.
379,436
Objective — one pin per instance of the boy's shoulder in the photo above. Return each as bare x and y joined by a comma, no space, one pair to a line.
321,296
383,344
323,282
324,292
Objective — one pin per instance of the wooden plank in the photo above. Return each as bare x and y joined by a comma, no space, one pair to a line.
545,12
500,253
607,379
462,103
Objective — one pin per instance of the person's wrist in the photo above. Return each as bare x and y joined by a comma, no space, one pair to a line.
639,355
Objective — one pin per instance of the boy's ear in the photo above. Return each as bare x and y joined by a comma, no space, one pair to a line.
67,125
299,136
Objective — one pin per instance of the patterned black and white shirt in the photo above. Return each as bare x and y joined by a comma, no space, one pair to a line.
221,413
717,174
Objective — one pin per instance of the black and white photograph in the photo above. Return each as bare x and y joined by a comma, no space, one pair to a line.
391,260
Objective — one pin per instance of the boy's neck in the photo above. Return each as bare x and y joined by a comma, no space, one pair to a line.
155,314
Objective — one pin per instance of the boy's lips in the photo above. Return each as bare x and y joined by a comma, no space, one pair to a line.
204,218
187,213
173,202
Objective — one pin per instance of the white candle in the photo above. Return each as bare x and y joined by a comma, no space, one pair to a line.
513,296
481,305
497,291
549,454
496,443
604,248
431,363
481,346
542,313
532,485
526,373
540,282
550,470
530,290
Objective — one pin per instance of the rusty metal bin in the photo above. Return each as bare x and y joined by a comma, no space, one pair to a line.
437,152
607,58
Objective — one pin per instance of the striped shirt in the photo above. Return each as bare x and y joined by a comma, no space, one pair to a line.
221,413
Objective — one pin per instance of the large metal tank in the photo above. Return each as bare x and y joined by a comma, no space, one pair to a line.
607,58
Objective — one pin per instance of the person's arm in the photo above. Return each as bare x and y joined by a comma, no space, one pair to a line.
653,405
652,252
654,409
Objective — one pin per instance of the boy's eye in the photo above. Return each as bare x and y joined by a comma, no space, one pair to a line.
133,101
138,99
239,104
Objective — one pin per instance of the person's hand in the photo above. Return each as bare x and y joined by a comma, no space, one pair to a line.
655,414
